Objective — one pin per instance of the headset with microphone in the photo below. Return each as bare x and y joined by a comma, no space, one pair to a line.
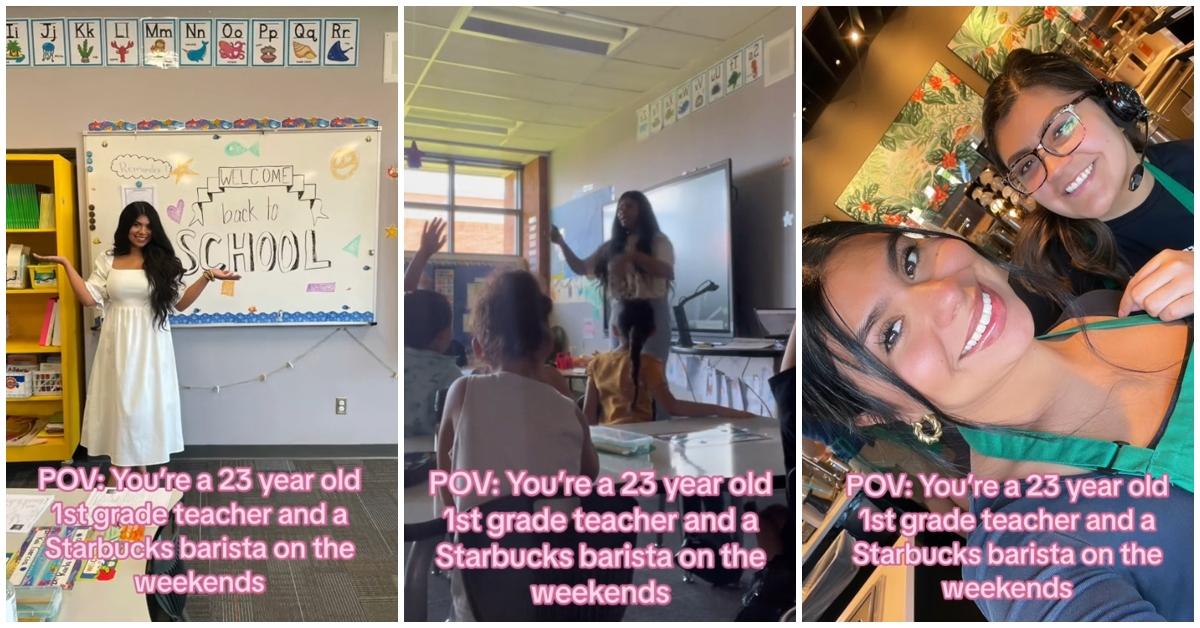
1126,106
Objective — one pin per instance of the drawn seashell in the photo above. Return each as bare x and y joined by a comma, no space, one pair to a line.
302,51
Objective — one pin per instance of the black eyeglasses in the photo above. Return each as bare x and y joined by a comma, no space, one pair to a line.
1061,135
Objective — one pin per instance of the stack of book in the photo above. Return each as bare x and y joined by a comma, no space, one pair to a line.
26,208
51,335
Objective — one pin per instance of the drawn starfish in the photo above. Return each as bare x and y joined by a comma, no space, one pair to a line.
390,231
182,170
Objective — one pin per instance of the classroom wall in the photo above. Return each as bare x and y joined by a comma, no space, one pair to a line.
755,127
51,107
850,127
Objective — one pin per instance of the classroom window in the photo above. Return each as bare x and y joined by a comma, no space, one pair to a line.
414,221
481,203
486,232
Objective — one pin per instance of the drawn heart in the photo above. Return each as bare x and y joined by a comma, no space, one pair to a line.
175,212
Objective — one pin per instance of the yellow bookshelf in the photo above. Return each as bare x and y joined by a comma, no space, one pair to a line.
27,308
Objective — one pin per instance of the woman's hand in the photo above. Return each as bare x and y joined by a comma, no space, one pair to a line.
433,237
223,275
54,259
1162,288
555,235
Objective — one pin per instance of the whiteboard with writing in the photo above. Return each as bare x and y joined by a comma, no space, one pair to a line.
295,212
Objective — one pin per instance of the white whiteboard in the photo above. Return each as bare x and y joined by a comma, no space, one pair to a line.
295,212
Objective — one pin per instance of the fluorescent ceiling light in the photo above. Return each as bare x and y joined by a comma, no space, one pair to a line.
559,29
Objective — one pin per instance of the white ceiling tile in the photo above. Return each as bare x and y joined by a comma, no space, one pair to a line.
546,96
542,131
431,16
413,67
716,22
572,116
505,84
627,75
599,97
509,109
476,119
665,48
450,135
421,41
517,141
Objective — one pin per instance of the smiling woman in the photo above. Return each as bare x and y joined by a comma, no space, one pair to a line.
1110,204
910,329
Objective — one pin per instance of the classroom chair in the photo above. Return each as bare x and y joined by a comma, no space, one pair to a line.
503,594
167,606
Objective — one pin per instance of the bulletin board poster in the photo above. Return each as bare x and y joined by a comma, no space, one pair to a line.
160,42
121,48
233,39
269,39
16,43
304,42
196,42
49,42
85,39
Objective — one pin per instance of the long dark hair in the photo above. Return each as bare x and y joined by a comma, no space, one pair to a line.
829,353
1088,243
511,318
163,269
646,229
636,324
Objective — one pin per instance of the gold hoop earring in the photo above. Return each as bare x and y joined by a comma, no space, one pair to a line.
928,429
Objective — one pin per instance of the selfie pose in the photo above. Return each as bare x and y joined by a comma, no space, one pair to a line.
918,333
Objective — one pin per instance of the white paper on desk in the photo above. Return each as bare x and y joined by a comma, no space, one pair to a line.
723,435
22,511
110,496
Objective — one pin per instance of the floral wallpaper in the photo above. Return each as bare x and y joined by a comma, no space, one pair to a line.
922,157
990,33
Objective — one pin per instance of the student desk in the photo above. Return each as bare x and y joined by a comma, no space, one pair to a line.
91,600
423,529
576,376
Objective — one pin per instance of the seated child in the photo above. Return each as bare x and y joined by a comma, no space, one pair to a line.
622,382
510,419
427,368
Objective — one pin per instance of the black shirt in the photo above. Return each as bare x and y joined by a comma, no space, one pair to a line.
1161,222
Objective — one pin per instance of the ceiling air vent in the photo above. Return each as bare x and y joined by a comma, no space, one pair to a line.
541,27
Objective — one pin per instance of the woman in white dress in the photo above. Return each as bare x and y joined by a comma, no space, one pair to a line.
132,412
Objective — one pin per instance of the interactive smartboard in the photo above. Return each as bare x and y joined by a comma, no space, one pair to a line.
295,212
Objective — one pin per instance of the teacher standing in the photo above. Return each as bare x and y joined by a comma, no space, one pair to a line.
637,262
132,413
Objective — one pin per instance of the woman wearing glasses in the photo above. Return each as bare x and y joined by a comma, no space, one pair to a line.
1110,205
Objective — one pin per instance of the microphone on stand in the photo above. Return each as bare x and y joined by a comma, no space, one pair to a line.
681,322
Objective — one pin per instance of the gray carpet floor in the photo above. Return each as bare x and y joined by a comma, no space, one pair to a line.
363,589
